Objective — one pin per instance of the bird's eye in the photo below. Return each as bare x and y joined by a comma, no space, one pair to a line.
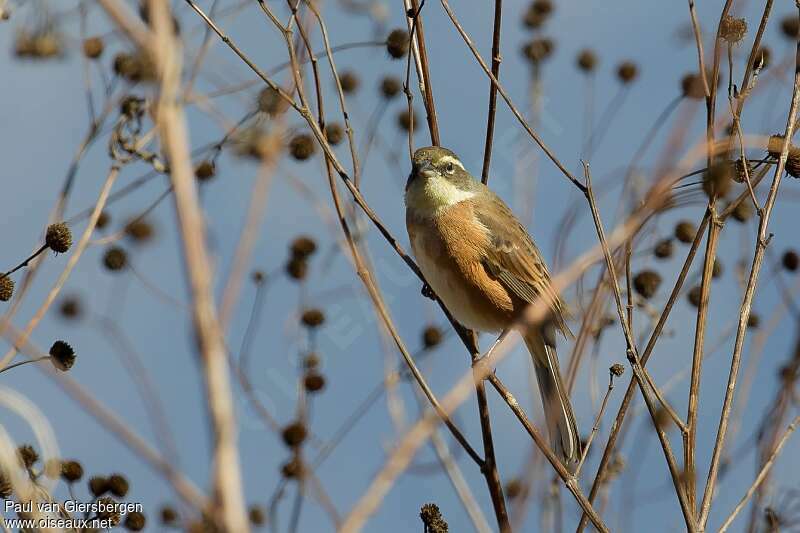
450,168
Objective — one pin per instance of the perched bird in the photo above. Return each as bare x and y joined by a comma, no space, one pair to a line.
481,262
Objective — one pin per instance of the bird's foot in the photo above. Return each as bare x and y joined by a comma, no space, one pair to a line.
427,292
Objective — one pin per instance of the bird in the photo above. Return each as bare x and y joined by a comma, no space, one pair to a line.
483,265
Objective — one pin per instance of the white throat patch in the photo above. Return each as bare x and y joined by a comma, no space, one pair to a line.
430,196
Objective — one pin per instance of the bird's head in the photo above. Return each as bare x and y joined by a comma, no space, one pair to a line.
438,180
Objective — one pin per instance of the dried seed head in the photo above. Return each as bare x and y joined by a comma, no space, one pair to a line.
107,510
349,81
132,106
205,170
587,60
694,296
627,71
294,434
139,230
115,259
514,489
406,120
118,485
271,102
717,270
334,133
27,455
533,19
6,288
314,382
302,146
71,307
717,179
169,516
662,419
543,7
390,87
62,355
790,260
397,43
135,521
692,85
71,471
732,29
685,231
135,67
312,318
790,26
774,147
431,336
41,43
753,321
98,485
256,515
743,210
311,361
663,249
6,488
302,247
258,277
432,518
297,268
617,369
292,469
538,50
646,283
93,47
58,237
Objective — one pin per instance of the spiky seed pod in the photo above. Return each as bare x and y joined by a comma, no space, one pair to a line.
93,47
774,147
6,488
790,260
646,283
717,270
169,516
617,369
390,87
663,249
302,146
27,455
71,308
692,86
107,510
205,170
538,50
135,521
6,288
292,469
131,106
271,102
350,81
139,230
405,121
685,231
397,43
297,268
312,318
334,133
98,485
115,259
58,237
717,180
314,382
732,29
431,336
753,321
118,485
627,72
294,434
62,355
790,27
432,518
71,471
302,247
256,515
135,67
587,60
694,295
514,489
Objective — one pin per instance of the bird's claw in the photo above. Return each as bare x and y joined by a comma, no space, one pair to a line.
427,292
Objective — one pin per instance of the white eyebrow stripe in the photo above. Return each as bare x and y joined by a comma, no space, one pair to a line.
453,160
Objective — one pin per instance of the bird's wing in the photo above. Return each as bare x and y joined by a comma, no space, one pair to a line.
514,260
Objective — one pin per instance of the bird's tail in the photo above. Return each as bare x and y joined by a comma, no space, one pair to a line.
564,438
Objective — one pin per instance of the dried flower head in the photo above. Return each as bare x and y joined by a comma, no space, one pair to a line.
292,469
349,81
71,307
790,260
587,60
71,471
314,382
302,146
717,179
93,47
538,49
169,516
256,515
390,87
107,509
695,295
627,71
431,336
743,210
6,488
139,230
732,29
27,455
297,268
617,369
334,133
135,521
311,361
397,43
258,277
205,170
62,355
136,67
294,434
717,269
6,288
533,19
58,237
115,259
692,85
44,42
790,26
271,102
774,147
406,120
302,247
514,489
685,231
432,518
753,321
118,485
312,318
646,283
663,249
98,485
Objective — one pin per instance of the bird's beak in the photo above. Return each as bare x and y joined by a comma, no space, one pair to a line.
424,168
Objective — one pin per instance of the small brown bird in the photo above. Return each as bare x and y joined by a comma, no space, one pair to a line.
481,262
